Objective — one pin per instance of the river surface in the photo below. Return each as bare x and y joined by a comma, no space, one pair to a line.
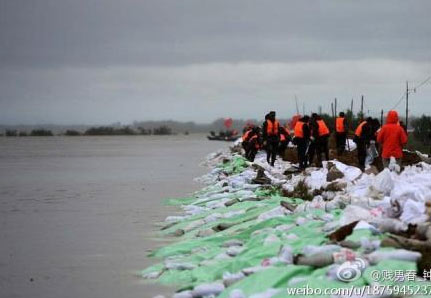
78,215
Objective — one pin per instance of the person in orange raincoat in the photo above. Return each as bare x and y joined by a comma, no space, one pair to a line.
392,137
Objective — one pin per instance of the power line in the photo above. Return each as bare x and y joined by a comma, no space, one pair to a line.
398,102
423,83
412,89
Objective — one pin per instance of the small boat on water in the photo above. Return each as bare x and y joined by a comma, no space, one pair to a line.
229,136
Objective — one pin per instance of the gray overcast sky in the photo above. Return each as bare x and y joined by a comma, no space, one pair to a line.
101,61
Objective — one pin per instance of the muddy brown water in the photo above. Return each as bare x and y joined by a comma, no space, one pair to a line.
78,215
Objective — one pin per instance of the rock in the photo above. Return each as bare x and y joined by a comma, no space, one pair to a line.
231,202
317,260
344,231
287,205
334,174
261,178
292,170
372,170
232,242
336,186
222,226
178,232
205,233
171,224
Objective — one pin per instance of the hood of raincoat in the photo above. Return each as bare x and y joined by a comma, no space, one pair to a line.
392,117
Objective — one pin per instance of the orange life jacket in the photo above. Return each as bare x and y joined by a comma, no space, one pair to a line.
299,132
245,135
323,129
272,127
339,125
254,138
358,131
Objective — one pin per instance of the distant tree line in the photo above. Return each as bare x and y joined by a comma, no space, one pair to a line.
33,133
126,130
94,131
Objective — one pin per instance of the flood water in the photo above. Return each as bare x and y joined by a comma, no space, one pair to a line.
78,215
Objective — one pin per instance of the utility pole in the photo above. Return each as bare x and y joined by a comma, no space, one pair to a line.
381,118
407,104
320,110
297,109
362,107
335,108
351,115
332,109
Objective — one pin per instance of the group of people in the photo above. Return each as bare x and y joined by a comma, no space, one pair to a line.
311,137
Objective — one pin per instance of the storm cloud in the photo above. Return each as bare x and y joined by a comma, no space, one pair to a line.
100,61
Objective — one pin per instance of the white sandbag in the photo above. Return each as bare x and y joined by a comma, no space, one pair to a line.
355,213
214,288
152,275
232,242
398,254
369,245
317,179
390,225
234,250
266,294
284,228
276,212
271,239
350,145
383,182
172,218
314,249
172,265
286,254
237,293
393,166
371,153
350,173
413,212
213,217
183,294
231,278
291,237
193,225
251,270
194,210
301,221
233,213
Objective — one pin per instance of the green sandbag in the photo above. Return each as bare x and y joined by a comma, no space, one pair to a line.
179,201
237,165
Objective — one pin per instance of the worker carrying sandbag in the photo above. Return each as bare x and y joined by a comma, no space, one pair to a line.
392,136
271,137
251,142
363,136
301,140
341,133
